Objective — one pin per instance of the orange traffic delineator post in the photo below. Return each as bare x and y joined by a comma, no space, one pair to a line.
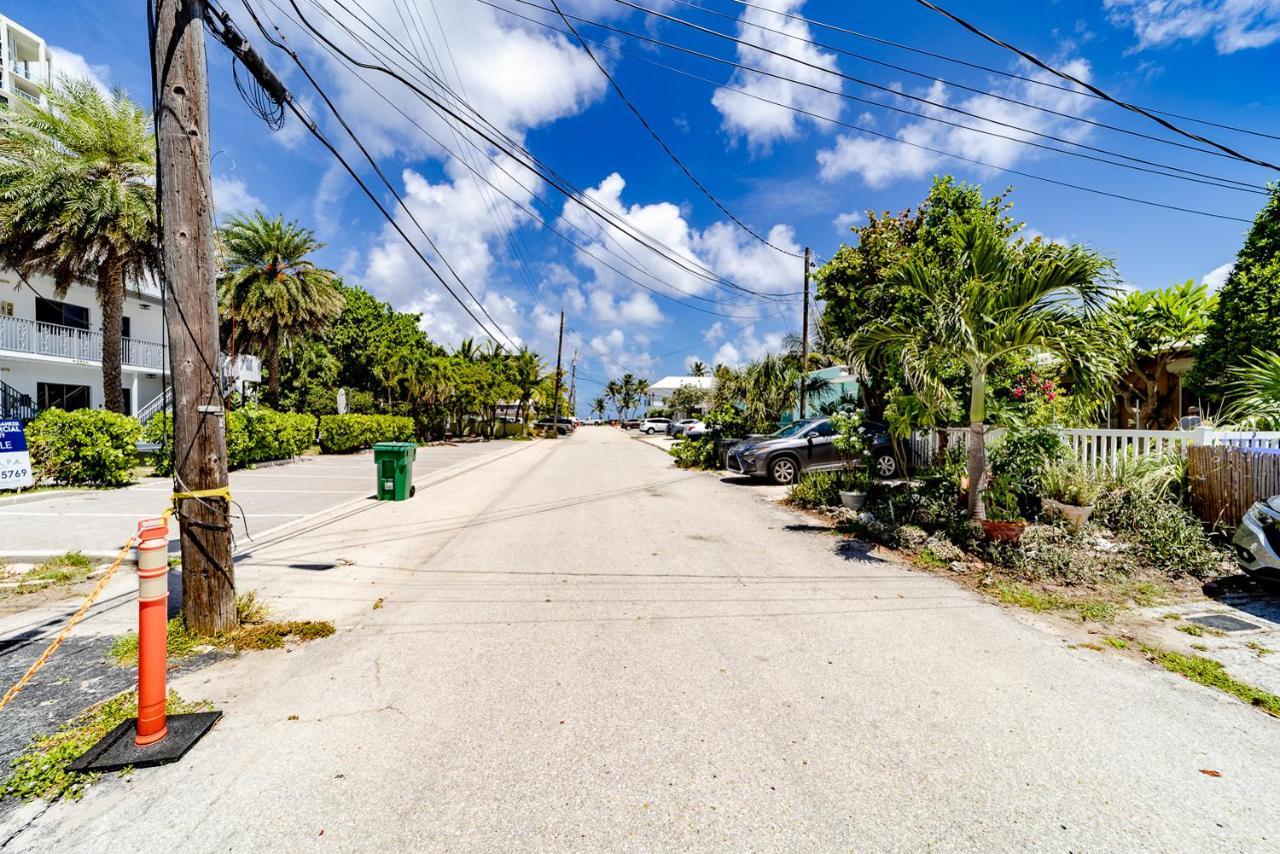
153,631
153,738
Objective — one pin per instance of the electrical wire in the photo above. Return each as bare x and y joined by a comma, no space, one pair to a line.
868,131
534,164
901,94
1049,84
1134,108
1175,172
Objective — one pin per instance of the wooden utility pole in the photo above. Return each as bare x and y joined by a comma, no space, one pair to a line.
804,334
186,214
556,402
573,385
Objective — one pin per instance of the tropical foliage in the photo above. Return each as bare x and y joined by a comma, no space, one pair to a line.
1246,318
1253,401
78,201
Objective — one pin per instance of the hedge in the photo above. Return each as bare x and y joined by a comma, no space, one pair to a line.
255,434
342,434
83,447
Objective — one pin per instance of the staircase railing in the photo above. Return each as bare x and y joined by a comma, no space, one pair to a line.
163,400
15,404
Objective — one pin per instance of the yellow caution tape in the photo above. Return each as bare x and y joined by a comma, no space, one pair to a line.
223,492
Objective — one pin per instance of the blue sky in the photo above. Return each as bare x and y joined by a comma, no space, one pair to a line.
791,178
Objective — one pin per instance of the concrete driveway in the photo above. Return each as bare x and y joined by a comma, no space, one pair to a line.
267,498
578,647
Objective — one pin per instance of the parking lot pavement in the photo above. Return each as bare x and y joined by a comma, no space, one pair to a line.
97,522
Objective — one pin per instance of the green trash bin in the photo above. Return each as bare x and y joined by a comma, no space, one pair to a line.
394,464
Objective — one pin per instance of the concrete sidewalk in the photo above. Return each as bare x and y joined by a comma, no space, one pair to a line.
97,522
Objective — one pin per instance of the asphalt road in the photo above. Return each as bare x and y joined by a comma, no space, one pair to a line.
579,647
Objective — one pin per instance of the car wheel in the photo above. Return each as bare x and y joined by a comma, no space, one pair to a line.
886,465
783,471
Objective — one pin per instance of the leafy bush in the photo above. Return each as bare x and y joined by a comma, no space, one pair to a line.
1070,483
1019,459
822,488
83,447
695,453
342,434
1167,537
254,434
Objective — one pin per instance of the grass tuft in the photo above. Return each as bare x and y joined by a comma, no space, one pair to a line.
1211,673
1115,642
1043,601
41,770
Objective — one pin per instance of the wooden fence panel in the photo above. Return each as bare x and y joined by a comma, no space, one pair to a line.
1225,481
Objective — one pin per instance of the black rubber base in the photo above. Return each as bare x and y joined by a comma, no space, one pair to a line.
116,750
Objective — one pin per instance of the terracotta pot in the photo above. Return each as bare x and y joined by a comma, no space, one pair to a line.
1075,516
1003,532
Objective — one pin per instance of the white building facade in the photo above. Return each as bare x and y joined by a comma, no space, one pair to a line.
661,390
25,64
51,348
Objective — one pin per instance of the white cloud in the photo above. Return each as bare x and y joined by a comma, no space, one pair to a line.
1217,277
749,347
763,124
1234,24
714,332
232,196
880,162
638,310
71,65
613,355
846,221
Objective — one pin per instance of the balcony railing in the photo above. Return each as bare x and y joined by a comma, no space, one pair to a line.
26,72
20,335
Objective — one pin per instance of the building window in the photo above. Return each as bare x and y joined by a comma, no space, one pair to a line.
61,313
62,396
125,327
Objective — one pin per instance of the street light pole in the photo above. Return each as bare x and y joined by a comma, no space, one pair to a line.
184,188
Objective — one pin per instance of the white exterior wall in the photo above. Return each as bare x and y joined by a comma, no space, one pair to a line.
23,369
30,51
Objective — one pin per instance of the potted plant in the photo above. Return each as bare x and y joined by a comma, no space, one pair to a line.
851,443
1003,524
1068,491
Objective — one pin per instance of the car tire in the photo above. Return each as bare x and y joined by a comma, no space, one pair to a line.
886,465
784,471
650,431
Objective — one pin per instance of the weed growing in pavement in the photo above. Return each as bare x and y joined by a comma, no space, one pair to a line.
249,609
41,770
1115,642
1044,601
1194,629
70,568
1258,648
1211,673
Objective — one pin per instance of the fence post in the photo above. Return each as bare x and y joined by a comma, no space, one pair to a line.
1203,436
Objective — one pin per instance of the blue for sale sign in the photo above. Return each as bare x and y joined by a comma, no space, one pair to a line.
15,462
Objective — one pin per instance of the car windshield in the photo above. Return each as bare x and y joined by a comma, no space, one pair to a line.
790,429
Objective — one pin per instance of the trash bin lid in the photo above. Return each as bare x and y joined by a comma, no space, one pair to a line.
394,446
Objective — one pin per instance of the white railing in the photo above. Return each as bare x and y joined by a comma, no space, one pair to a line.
23,70
17,334
1103,447
154,405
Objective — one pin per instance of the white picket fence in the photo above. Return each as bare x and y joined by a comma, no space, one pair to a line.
1099,447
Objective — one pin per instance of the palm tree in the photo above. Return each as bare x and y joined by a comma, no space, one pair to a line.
78,201
998,300
1254,396
526,375
271,292
598,406
642,392
613,390
697,368
467,350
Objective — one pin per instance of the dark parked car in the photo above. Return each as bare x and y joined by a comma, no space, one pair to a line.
805,446
563,425
675,428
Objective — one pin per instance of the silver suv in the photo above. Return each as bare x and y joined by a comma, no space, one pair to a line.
1257,540
653,425
805,446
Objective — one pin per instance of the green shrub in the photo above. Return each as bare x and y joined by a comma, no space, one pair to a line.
1070,483
695,453
822,488
1019,458
342,434
83,447
254,434
1167,537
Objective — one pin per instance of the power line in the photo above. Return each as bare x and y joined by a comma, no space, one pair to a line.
662,143
1009,170
1094,89
531,162
934,78
986,68
897,93
1190,175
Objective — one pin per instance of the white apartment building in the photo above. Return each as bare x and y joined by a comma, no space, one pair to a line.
25,64
51,349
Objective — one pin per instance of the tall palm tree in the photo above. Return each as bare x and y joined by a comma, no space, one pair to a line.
270,291
999,299
467,350
642,392
697,368
614,391
78,201
598,406
527,373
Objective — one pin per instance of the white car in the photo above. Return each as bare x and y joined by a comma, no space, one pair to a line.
654,425
696,430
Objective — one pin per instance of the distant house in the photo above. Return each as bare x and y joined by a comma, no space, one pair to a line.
840,390
1151,397
660,391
